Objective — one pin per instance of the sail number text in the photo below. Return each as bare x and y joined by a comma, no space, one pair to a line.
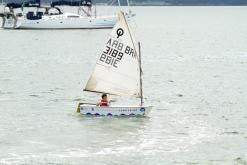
114,52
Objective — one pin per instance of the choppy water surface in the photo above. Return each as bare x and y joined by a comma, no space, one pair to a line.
195,64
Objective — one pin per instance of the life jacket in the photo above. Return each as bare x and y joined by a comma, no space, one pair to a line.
103,103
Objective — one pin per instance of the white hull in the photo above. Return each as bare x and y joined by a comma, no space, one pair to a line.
67,23
61,22
115,110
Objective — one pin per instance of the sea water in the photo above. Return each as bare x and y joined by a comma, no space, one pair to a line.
195,76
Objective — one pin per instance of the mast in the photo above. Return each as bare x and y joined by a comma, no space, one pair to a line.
128,3
119,4
140,68
95,11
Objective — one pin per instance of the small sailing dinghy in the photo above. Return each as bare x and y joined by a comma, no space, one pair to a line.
118,72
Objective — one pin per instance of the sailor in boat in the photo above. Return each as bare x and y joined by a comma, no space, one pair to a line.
104,101
119,62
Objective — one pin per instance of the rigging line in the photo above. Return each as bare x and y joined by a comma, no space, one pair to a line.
129,33
139,58
131,39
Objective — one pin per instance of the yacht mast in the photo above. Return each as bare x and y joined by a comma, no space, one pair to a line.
119,4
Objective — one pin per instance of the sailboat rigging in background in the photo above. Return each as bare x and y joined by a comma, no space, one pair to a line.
51,17
118,72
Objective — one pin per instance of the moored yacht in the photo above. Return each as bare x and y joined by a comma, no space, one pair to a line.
51,17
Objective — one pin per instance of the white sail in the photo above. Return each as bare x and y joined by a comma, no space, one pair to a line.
117,70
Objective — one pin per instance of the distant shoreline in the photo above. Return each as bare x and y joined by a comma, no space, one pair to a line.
182,5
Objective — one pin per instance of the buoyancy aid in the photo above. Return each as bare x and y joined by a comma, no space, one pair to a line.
103,103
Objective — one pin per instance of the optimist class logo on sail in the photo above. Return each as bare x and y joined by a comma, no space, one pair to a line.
114,52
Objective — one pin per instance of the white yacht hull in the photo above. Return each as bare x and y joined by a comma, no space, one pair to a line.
114,110
78,23
61,22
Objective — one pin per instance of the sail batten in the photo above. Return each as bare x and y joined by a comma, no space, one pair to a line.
117,70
